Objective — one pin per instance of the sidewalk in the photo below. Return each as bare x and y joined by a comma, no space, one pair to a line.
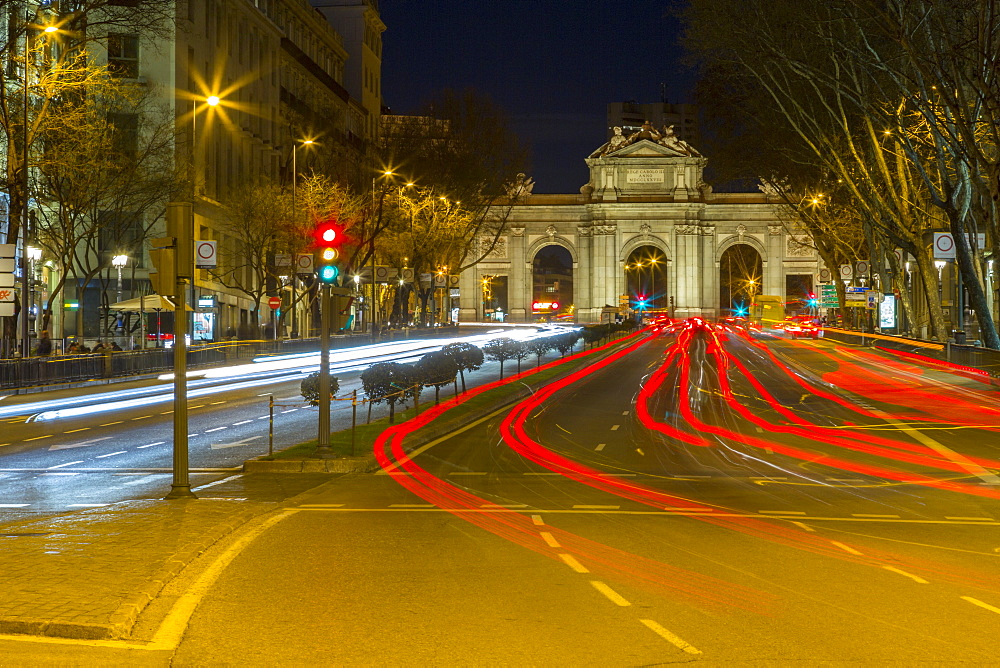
89,574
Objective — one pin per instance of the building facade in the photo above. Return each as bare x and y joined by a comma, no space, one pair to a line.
645,195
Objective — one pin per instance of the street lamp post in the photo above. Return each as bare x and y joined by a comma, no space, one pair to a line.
371,307
180,216
295,275
119,262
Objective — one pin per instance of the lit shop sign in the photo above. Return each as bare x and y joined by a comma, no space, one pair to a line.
544,306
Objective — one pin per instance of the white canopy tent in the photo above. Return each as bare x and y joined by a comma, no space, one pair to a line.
143,304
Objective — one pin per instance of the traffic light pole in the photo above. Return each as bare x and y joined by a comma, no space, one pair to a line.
323,450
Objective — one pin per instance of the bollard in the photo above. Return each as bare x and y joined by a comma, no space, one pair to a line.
270,426
354,417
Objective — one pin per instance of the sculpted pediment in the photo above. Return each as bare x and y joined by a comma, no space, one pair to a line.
645,148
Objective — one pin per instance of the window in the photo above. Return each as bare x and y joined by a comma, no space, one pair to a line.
123,55
126,133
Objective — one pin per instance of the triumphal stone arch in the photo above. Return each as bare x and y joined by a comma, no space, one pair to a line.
645,189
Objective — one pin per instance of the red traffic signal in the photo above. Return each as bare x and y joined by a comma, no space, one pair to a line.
328,234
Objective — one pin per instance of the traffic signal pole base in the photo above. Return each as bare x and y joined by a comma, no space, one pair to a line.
180,492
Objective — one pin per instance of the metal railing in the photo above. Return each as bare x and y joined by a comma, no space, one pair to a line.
973,357
36,372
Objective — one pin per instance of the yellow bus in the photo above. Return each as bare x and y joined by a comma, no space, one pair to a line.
767,310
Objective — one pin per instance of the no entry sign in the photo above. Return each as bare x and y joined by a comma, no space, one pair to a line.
274,303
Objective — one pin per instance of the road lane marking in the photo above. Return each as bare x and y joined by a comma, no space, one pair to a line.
191,408
111,424
543,473
237,424
600,446
169,635
806,527
411,505
216,403
79,444
61,473
14,505
217,482
141,417
781,512
73,431
588,507
88,505
549,539
66,464
467,473
845,480
624,412
846,548
424,448
570,561
150,445
985,606
615,427
873,515
669,637
612,595
36,438
537,520
209,431
504,505
915,578
971,467
290,410
619,475
110,454
988,519
152,477
322,505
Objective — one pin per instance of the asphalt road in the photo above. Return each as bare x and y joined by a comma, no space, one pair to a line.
93,446
701,497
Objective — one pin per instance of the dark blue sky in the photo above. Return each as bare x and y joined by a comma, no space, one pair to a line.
552,65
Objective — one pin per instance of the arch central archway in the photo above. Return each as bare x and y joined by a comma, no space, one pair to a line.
741,271
552,283
646,278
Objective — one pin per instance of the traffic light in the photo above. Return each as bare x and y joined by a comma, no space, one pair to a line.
329,236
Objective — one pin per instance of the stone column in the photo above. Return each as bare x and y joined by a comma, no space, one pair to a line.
774,270
709,273
583,275
605,267
470,295
517,292
687,298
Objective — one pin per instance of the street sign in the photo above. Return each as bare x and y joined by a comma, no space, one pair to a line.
825,275
406,273
453,280
846,272
206,253
7,292
303,263
861,268
440,280
872,298
274,303
385,274
282,260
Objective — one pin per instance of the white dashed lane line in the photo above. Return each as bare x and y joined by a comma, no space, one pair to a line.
110,454
209,431
59,466
150,445
669,637
985,606
571,561
612,595
237,424
615,427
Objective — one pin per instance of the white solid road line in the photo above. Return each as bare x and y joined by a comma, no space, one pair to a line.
217,482
985,606
943,450
612,595
570,561
670,637
59,466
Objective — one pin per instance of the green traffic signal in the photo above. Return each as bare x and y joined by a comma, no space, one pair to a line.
328,274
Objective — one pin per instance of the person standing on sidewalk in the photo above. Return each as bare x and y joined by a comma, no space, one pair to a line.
44,348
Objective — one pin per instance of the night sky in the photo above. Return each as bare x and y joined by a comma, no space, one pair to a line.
552,65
